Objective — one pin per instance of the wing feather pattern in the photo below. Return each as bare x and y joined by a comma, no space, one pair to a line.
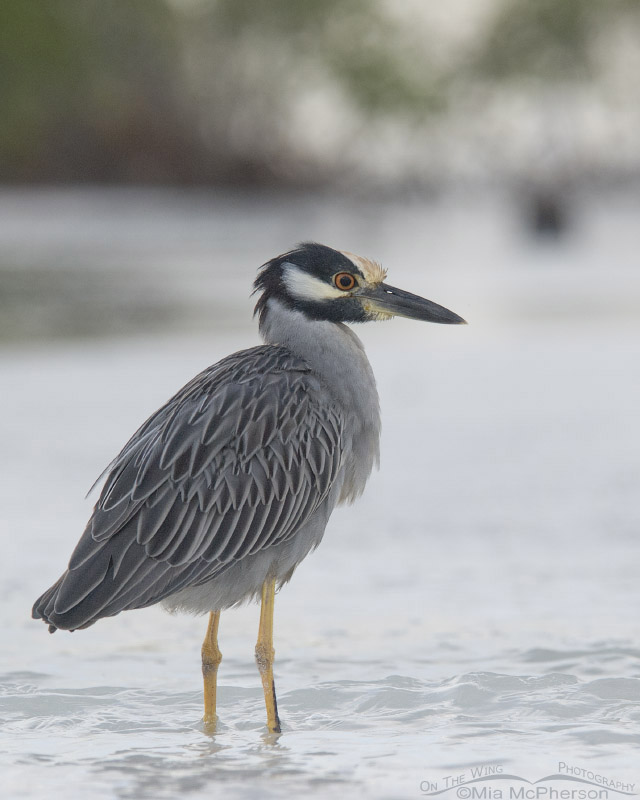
234,463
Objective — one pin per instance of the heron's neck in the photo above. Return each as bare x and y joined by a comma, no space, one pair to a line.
331,349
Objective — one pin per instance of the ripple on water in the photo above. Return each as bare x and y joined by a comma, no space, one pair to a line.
372,736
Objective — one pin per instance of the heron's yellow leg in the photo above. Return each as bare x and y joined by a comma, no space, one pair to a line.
211,658
265,654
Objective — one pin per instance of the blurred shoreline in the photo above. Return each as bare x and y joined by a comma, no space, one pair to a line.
93,262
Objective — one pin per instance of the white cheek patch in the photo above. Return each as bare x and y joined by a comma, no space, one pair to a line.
305,287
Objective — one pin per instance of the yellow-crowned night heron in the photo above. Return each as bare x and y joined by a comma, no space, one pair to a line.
225,489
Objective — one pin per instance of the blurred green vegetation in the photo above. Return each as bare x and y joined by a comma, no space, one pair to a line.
89,90
550,39
371,56
233,91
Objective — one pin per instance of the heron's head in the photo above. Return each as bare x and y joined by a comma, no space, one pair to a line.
336,286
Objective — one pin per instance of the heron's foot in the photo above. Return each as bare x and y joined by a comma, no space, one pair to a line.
210,724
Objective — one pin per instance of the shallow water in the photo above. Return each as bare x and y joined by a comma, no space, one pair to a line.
381,736
478,608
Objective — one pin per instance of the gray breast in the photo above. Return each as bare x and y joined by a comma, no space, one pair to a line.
336,355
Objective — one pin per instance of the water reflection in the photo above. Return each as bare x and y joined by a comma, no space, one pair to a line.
72,301
106,263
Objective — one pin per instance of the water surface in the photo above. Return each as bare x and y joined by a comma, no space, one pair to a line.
478,606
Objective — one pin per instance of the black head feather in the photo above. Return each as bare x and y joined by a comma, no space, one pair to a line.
323,263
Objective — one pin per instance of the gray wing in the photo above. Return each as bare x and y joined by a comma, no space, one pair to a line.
234,463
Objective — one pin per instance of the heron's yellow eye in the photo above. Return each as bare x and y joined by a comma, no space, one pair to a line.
344,281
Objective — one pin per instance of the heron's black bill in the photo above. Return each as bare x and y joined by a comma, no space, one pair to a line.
389,300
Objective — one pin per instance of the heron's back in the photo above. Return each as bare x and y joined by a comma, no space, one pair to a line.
234,477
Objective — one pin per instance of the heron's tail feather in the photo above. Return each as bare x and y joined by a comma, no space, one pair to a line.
113,579
43,606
